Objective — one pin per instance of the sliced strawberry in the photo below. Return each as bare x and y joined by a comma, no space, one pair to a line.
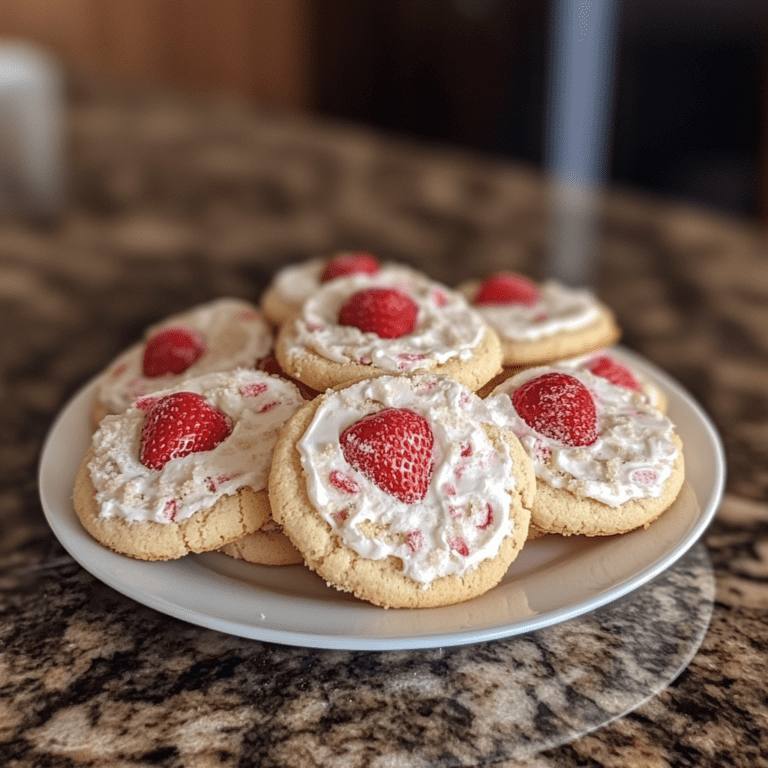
383,311
172,350
178,425
346,264
393,449
608,368
558,406
507,288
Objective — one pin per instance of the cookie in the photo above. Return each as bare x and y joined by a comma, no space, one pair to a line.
221,335
606,461
185,469
402,490
540,324
360,327
267,546
294,284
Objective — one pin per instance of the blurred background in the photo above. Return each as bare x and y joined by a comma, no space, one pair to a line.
690,113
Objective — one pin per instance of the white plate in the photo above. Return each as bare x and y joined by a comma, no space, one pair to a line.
553,579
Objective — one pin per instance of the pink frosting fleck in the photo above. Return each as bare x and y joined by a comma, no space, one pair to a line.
171,509
541,452
253,389
439,297
415,540
458,545
213,483
645,476
487,518
343,482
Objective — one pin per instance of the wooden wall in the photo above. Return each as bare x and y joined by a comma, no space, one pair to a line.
256,49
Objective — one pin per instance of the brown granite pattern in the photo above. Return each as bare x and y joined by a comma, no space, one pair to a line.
141,687
175,202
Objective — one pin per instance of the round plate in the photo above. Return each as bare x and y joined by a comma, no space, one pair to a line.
553,579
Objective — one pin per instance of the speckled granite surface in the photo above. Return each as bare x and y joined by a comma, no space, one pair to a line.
174,202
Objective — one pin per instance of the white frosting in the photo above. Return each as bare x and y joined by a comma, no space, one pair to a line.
470,474
235,335
632,457
446,327
558,309
257,404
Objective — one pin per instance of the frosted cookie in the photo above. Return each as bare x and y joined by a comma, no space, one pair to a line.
267,546
401,490
606,461
185,469
221,335
294,284
539,324
359,327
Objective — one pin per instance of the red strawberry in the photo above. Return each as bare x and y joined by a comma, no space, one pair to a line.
507,288
393,449
558,406
383,311
180,424
172,350
350,264
614,371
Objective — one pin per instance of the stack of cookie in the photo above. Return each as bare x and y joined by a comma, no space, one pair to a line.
401,438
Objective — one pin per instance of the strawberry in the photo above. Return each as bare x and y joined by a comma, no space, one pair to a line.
180,424
172,350
558,406
608,368
507,288
393,449
350,264
384,311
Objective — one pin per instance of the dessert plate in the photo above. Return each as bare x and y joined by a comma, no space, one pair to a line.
553,579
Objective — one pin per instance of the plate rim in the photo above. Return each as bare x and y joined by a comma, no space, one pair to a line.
429,639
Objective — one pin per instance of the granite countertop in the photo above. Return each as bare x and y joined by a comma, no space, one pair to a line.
173,202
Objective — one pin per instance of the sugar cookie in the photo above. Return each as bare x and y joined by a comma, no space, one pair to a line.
539,324
359,327
267,546
185,469
402,490
606,461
